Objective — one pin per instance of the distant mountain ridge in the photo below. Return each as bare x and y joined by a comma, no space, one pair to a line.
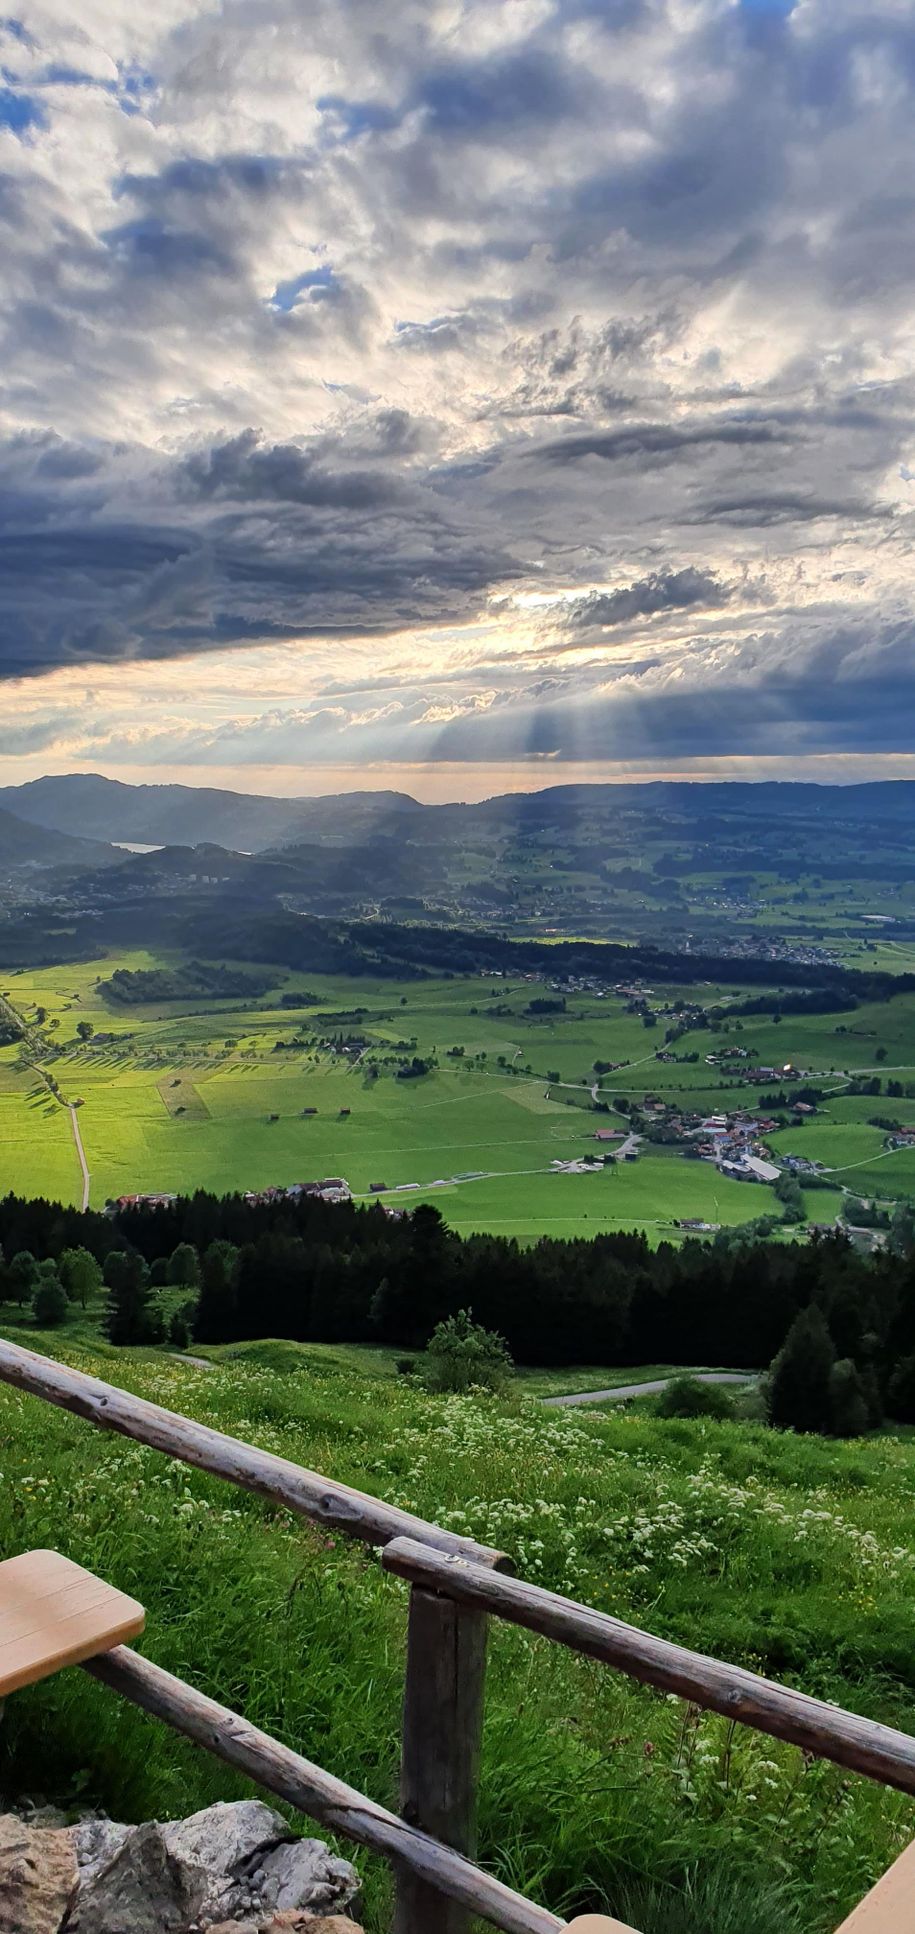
106,809
24,844
90,807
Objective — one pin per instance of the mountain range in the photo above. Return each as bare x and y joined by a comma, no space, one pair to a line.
105,810
673,863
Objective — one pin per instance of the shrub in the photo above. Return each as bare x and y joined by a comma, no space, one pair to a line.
687,1397
461,1355
50,1305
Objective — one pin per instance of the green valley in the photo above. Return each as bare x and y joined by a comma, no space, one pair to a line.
485,1093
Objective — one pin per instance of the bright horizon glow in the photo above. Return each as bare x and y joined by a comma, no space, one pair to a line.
447,785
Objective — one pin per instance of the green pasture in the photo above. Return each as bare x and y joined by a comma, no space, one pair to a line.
37,1155
648,1194
196,1094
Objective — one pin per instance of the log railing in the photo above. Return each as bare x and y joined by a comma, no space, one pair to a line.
456,1586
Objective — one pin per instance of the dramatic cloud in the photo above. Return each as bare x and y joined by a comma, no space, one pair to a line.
662,591
553,360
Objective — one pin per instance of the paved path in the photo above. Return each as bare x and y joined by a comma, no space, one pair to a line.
199,1362
77,1137
653,1389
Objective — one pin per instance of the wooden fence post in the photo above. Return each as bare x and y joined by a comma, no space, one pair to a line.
442,1736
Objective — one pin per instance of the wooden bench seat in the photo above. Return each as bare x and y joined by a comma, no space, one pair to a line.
53,1613
890,1906
598,1924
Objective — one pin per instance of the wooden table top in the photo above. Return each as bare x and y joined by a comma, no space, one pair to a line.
53,1613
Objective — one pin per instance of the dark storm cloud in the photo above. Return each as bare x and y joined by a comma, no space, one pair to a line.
773,507
659,441
662,591
271,543
245,470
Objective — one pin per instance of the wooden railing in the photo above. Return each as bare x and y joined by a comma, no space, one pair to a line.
456,1586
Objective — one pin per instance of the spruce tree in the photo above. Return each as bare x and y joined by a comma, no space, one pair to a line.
847,1399
799,1380
216,1314
131,1315
901,1394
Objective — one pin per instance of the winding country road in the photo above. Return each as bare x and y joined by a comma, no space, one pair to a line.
77,1137
623,1390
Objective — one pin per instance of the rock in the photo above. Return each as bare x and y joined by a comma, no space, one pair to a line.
142,1889
235,1863
96,1842
291,1921
302,1873
305,1923
38,1876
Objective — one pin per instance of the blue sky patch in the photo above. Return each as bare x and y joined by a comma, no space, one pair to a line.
322,282
19,111
358,117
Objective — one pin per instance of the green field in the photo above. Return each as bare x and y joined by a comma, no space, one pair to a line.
790,1555
182,1095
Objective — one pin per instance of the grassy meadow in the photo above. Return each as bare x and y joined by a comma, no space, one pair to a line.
793,1556
195,1094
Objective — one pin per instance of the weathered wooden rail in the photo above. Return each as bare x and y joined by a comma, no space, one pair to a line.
456,1586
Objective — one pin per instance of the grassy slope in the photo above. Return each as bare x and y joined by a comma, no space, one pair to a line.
791,1555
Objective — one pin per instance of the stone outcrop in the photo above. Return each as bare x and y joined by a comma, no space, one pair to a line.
235,1868
38,1877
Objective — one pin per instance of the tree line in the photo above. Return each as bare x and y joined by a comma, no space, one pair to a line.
314,1271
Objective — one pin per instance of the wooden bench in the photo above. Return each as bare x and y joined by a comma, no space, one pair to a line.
53,1613
889,1908
598,1924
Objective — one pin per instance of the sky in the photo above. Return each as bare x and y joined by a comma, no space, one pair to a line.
457,395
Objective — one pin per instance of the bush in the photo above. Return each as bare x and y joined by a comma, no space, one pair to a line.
687,1397
462,1355
751,1405
50,1305
405,1366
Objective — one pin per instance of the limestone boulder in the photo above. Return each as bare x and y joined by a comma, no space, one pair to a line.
235,1863
38,1876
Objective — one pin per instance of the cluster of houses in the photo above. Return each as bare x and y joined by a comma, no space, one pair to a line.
734,1142
739,1062
140,1202
802,1165
332,1189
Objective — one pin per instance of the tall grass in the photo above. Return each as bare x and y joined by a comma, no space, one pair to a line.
790,1555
